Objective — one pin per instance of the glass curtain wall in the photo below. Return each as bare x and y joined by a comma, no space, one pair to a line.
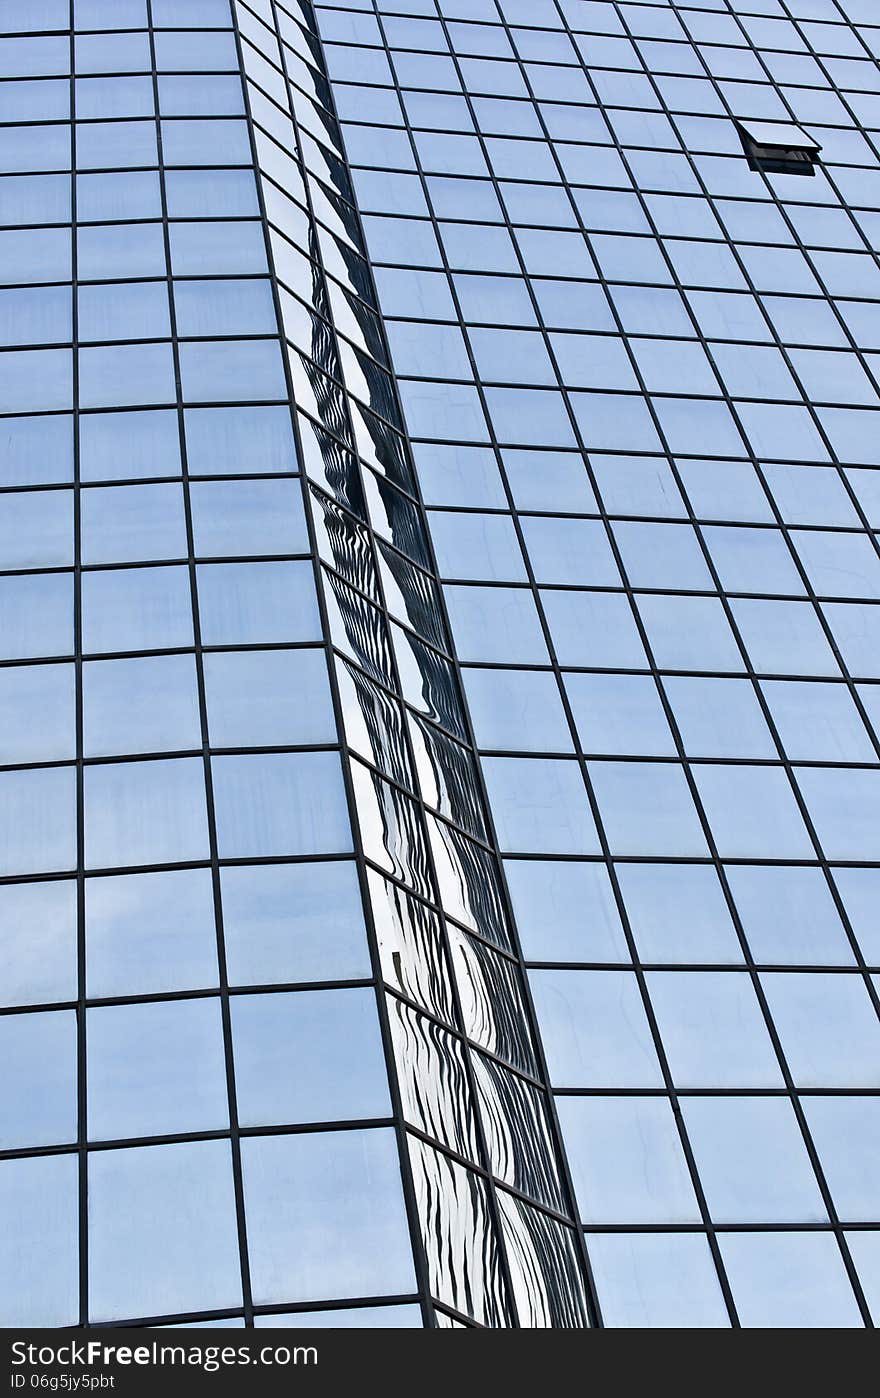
642,381
429,433
237,781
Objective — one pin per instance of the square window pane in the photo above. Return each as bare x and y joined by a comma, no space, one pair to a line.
35,380
718,718
36,616
145,813
39,1086
326,1216
173,1208
125,446
227,307
36,450
156,1069
107,252
36,254
146,704
136,609
593,628
619,714
123,311
35,198
116,196
38,945
211,193
101,145
281,803
689,633
36,529
517,709
35,315
111,97
496,623
214,370
217,249
293,923
235,518
335,1031
783,637
752,812
273,698
194,50
148,933
254,603
238,441
570,551
130,523
647,808
39,1243
482,547
113,53
197,142
662,555
37,820
37,713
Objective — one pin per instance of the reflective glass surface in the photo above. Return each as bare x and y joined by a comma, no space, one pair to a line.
439,620
641,380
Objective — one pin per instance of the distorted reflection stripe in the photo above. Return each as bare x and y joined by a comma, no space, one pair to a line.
448,776
464,1259
492,1005
337,359
470,884
519,1132
411,949
374,726
536,1245
433,1080
346,544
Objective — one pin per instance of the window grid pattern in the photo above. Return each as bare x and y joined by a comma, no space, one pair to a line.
181,913
641,380
178,819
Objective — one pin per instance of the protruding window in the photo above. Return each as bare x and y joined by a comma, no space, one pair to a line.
780,148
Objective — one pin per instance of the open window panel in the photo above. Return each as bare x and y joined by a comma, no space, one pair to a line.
779,147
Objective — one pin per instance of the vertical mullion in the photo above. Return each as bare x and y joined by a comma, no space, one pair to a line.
82,1106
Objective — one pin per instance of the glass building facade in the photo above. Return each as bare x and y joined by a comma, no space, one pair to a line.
440,663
